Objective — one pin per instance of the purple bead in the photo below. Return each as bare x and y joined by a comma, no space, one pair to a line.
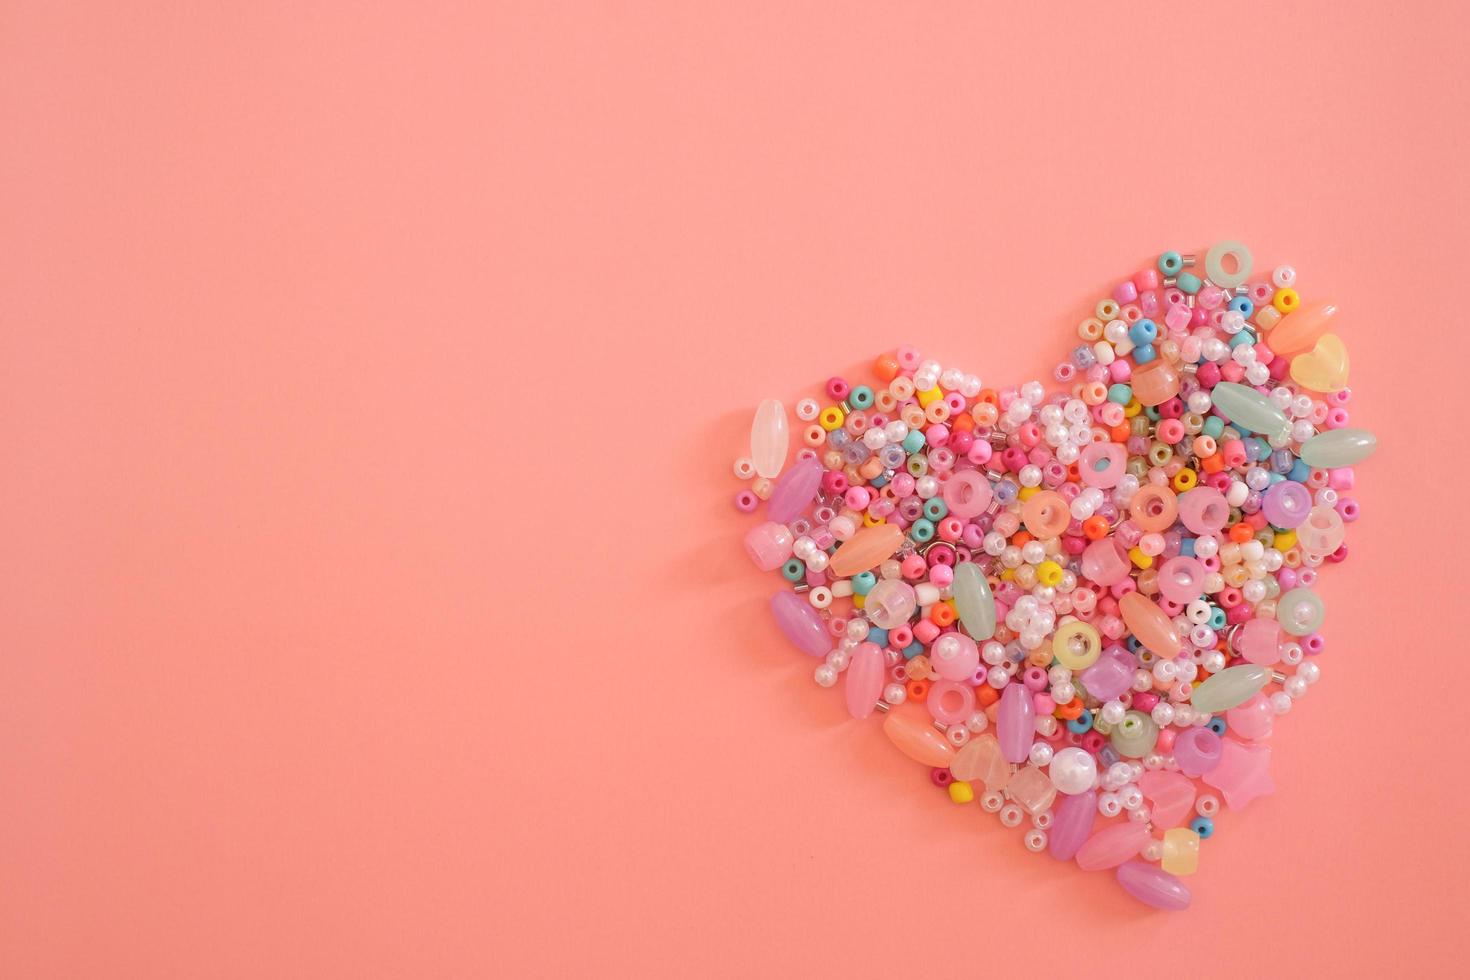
1107,678
1197,750
1153,886
1015,722
795,491
1286,504
801,623
1071,824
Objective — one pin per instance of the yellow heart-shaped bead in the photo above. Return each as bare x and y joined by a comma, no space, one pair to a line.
1324,368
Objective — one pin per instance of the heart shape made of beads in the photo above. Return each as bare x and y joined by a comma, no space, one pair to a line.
1084,605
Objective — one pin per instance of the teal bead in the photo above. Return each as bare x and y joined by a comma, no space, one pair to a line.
1249,408
1217,619
863,582
1120,393
935,509
1214,427
1170,263
921,530
1241,337
1338,447
861,397
1188,282
913,442
794,570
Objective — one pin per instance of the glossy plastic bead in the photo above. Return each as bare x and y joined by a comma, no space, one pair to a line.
1197,751
981,760
890,603
865,677
795,491
1076,645
1324,368
1300,612
1249,408
1298,330
1338,448
974,601
1112,845
916,737
1223,254
1150,624
1015,723
866,549
1230,687
1136,736
769,438
1153,886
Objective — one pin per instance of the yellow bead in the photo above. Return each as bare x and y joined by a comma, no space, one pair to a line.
961,791
1181,851
1185,479
1286,300
1133,407
858,600
1076,645
831,418
1323,368
1140,559
1026,493
1049,573
1285,540
929,395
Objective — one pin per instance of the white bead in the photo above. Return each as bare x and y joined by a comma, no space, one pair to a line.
825,675
1041,754
894,694
1073,771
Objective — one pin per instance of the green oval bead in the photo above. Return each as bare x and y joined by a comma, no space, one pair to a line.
973,600
1230,687
1249,408
1338,447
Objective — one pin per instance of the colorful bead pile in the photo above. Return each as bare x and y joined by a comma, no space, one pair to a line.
1087,605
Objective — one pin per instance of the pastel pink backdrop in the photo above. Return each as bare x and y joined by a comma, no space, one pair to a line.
370,376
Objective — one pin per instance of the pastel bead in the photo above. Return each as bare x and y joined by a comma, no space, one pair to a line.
1300,612
916,737
1015,723
1337,448
1107,678
1250,409
1153,886
1104,561
865,677
1155,382
1113,845
1170,796
1046,514
1324,368
769,545
973,600
1102,464
1259,641
769,438
1071,824
1032,789
1230,687
1203,510
967,493
1181,851
1215,264
1299,329
801,623
980,759
1253,719
1322,532
1182,579
1150,625
1196,750
1135,736
1286,504
1072,771
954,656
1076,645
890,603
1153,508
866,549
795,491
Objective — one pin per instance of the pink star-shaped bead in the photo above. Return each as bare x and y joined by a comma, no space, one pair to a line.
1242,774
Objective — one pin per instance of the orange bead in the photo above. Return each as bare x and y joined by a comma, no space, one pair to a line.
1120,432
1074,474
988,396
942,614
886,367
986,695
1021,538
962,423
1095,528
917,690
1241,533
1070,711
1212,464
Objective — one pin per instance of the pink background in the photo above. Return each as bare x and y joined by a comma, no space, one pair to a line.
370,376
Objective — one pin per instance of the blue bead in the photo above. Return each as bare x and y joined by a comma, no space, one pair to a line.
1186,547
1144,354
1242,306
1217,725
1143,332
875,635
1300,471
863,582
1203,826
913,650
1081,723
880,480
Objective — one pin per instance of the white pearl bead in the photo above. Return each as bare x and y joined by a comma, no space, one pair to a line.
1073,771
825,675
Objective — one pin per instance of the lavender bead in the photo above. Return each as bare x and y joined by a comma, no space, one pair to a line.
801,623
1153,886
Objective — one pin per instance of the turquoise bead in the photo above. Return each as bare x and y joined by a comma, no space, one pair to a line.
935,509
921,530
1120,393
861,397
1338,447
1081,724
794,570
1214,427
1188,282
1143,332
1170,263
1203,826
863,582
913,442
878,636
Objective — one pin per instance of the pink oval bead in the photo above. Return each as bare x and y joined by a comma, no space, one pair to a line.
865,679
1153,886
1150,625
865,549
916,737
1015,722
1113,845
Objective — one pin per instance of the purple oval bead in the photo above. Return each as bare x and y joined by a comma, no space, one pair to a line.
801,623
1015,722
795,491
1071,824
1153,886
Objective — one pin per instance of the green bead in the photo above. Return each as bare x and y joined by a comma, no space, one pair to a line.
1249,408
1170,263
1338,447
1230,687
1135,735
973,600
